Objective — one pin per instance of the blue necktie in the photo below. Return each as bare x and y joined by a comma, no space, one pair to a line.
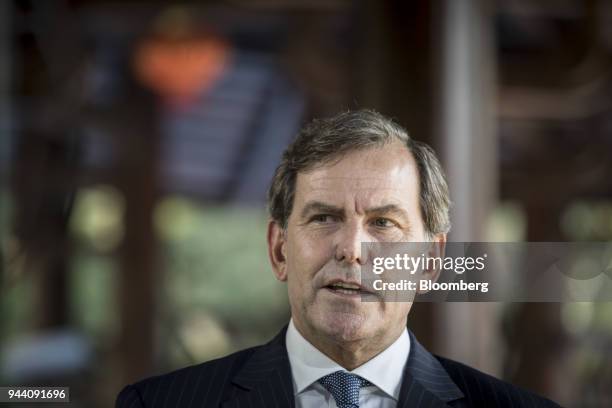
344,387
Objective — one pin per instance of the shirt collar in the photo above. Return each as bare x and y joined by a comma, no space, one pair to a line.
308,364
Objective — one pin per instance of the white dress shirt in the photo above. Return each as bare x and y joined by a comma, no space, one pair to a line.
308,364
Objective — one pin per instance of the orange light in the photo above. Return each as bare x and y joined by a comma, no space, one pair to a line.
180,69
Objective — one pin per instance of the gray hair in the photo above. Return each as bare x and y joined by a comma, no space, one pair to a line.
325,140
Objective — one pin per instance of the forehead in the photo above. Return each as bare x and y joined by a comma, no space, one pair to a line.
369,177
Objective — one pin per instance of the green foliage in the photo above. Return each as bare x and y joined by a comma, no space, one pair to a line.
216,259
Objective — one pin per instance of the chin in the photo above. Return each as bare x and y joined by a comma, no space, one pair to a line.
344,327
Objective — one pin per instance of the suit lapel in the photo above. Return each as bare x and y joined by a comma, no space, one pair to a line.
426,383
265,379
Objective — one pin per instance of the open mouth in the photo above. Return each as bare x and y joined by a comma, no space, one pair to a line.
350,289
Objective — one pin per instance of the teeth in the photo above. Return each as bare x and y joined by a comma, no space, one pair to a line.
349,286
346,291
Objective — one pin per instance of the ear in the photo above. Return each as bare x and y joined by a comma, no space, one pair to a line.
276,250
437,249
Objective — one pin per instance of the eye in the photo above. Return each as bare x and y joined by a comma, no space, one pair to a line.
383,222
323,218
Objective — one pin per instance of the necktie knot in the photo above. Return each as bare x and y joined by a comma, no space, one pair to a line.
344,387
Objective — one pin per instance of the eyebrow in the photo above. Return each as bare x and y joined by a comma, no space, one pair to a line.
321,207
318,206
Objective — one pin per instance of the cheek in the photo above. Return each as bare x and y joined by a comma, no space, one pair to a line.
308,252
304,260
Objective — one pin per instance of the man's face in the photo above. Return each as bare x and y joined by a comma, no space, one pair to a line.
368,196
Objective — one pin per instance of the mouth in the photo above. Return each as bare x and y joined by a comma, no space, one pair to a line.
347,289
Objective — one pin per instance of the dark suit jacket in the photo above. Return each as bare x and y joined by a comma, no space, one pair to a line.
261,377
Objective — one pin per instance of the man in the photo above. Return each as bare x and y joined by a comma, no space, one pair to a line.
357,177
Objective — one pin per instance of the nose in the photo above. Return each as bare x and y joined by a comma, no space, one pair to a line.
348,245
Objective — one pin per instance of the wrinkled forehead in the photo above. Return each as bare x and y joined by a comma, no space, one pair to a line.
375,176
355,183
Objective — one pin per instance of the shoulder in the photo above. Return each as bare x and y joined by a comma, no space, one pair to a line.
484,390
205,382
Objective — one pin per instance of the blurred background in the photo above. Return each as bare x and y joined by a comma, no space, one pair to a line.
137,140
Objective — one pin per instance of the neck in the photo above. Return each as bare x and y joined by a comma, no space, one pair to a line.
350,354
